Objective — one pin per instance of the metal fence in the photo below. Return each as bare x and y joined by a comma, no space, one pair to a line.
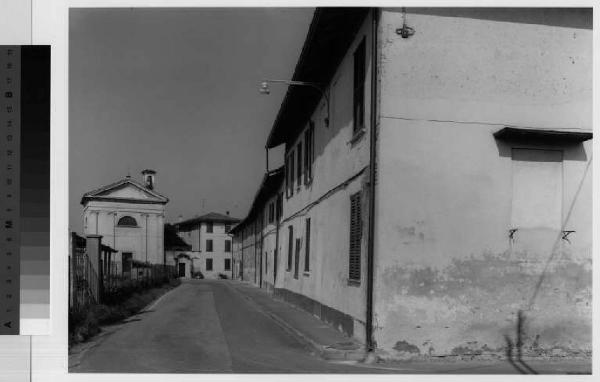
84,286
93,281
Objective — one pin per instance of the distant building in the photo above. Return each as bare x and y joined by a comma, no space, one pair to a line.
129,215
440,184
176,252
255,256
210,241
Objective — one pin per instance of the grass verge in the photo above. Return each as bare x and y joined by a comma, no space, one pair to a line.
86,323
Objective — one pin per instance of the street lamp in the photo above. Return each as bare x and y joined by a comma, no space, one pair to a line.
264,89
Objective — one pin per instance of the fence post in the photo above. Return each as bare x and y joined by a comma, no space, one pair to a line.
94,252
72,254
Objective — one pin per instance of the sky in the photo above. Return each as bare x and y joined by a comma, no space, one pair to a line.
176,91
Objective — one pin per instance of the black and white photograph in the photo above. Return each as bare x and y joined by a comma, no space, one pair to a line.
330,190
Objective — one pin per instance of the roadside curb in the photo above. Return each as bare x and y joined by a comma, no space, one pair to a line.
327,352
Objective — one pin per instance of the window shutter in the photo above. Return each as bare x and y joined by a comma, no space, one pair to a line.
355,237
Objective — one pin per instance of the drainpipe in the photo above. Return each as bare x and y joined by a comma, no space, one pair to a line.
372,175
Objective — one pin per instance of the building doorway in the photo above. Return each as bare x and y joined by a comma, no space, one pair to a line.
181,270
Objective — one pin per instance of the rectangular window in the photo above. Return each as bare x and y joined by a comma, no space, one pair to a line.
227,227
287,176
299,164
355,237
290,247
266,261
227,245
209,227
126,260
227,264
209,245
307,247
271,212
359,86
290,174
279,206
309,151
209,264
297,258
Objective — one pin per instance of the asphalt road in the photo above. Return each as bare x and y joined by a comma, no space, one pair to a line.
204,327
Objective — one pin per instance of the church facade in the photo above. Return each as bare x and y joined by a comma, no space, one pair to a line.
129,215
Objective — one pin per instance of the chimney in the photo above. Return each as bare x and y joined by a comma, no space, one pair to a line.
148,177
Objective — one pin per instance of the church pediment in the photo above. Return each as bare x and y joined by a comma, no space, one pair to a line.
126,190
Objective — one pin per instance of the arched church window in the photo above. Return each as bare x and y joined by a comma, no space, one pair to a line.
127,221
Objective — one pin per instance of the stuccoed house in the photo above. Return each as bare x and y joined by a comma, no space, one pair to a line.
440,182
210,240
255,238
129,215
176,252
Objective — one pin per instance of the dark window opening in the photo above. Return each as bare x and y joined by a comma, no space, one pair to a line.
309,145
307,247
209,227
299,164
290,247
297,258
359,87
127,221
227,264
209,245
227,245
209,264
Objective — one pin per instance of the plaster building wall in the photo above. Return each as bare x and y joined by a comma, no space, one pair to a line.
339,170
144,241
449,277
197,236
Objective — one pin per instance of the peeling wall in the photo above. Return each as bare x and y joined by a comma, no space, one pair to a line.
449,280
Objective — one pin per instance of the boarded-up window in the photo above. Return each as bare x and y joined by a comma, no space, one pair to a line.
355,237
290,247
537,189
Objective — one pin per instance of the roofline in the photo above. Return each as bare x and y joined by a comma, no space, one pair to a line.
90,195
310,41
266,176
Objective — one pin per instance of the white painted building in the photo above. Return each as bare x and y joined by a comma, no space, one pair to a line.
210,242
129,215
441,182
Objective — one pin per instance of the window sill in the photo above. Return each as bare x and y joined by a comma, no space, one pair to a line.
306,274
357,136
354,283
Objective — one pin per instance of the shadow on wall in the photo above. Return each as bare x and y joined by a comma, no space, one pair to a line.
571,152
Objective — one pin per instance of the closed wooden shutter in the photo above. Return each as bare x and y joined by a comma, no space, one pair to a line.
355,237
